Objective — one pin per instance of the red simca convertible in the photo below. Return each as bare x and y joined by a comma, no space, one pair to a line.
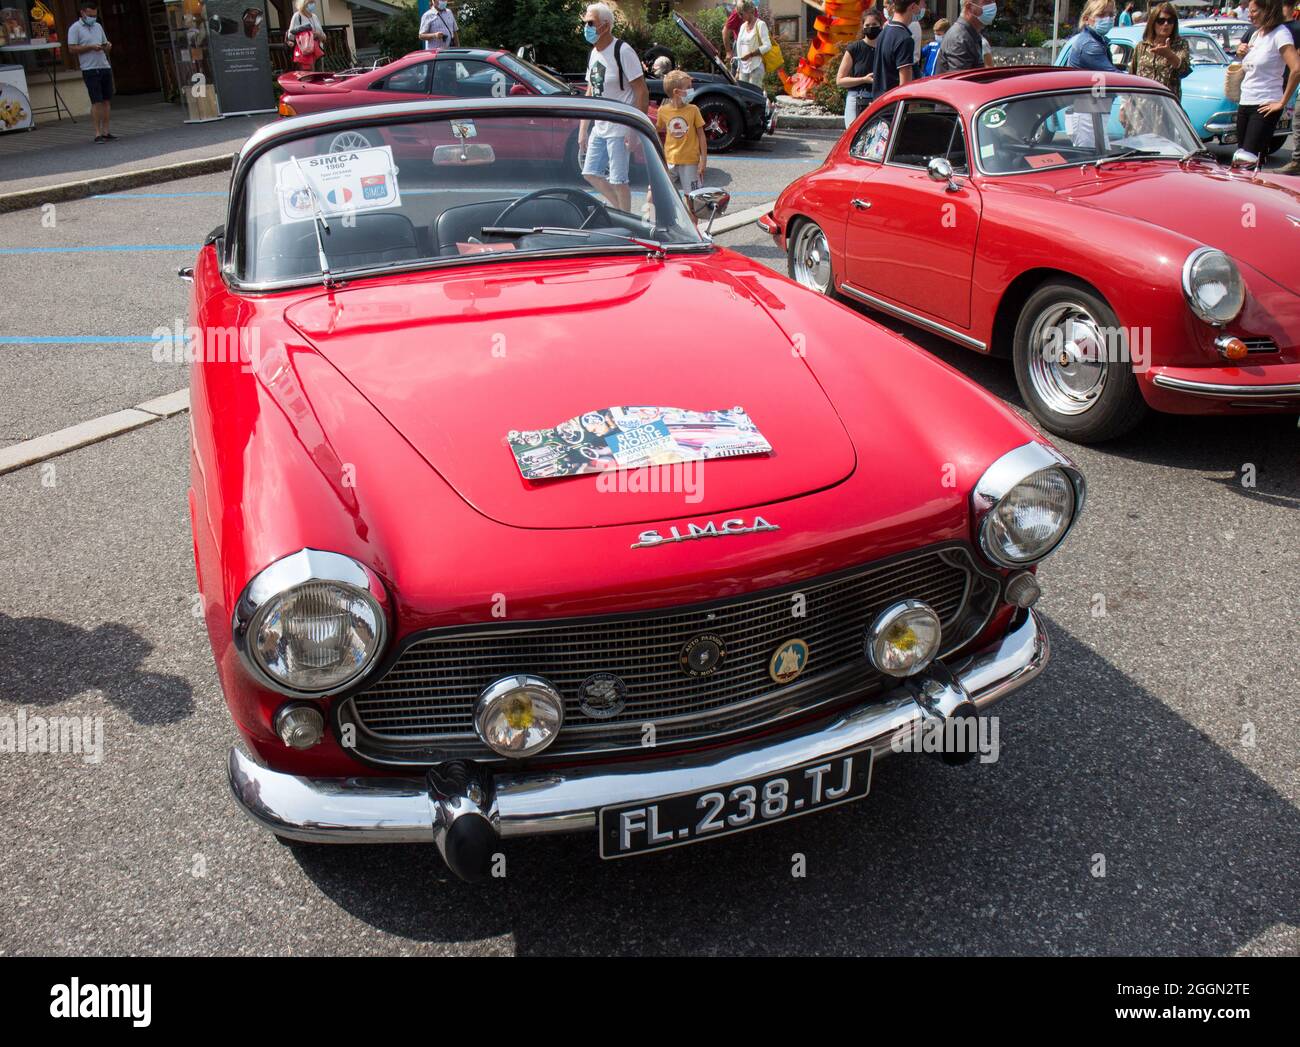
1072,223
497,537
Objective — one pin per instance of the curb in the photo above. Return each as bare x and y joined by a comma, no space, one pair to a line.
784,121
51,445
113,183
729,223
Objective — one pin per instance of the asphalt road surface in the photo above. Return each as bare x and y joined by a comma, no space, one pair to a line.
1145,800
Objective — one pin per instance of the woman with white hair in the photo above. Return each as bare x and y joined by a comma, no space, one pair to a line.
752,42
1088,47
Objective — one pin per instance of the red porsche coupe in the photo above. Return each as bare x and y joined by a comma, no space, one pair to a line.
1074,224
496,537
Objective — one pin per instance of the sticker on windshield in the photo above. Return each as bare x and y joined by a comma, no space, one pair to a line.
994,117
464,129
634,437
339,183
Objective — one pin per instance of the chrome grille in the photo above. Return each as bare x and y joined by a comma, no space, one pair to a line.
426,699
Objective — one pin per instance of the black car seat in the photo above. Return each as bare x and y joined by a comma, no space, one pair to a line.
457,224
288,250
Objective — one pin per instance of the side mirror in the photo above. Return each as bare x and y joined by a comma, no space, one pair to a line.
708,202
186,273
940,170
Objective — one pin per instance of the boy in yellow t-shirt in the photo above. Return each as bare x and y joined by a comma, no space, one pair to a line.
685,146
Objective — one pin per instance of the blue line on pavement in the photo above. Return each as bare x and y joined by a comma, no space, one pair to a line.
106,247
77,339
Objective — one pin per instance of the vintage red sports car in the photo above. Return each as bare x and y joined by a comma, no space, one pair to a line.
1077,227
519,513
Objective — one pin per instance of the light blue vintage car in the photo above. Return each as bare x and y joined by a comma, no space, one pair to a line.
1212,114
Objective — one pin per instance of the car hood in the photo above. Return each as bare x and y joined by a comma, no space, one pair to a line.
1193,205
704,45
455,362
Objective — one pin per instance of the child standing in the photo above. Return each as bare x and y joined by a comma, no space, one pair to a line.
686,147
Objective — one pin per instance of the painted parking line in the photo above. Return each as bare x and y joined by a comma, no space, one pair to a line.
120,248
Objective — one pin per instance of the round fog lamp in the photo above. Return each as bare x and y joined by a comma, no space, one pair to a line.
519,715
300,726
1023,589
904,638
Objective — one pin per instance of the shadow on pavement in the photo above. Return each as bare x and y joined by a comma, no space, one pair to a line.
44,662
1199,855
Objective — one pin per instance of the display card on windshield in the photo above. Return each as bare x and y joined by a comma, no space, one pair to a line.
633,437
345,182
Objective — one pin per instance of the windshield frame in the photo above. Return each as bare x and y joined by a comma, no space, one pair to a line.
974,127
280,134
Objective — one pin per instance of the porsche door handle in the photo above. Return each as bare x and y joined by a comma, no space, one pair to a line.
861,205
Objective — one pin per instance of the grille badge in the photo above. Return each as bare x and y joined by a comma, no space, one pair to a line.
788,661
701,655
602,695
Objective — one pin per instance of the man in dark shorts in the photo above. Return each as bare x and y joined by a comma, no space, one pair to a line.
87,40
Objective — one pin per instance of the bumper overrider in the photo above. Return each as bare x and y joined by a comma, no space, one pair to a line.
466,810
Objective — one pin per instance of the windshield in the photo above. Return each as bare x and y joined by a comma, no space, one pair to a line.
1205,51
1038,132
538,79
445,188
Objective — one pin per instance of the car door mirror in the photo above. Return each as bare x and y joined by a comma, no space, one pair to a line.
940,170
708,202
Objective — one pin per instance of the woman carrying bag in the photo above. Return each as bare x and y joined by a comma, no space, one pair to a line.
1270,74
306,35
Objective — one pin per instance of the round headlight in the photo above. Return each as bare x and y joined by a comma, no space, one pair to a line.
311,623
904,638
1212,285
1030,520
519,715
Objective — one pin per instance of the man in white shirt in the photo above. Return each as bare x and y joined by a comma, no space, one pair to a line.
438,27
614,73
87,40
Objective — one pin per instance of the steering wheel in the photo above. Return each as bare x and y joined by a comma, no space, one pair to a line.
577,196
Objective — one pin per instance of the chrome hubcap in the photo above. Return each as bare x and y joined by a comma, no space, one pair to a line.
1069,358
812,259
348,140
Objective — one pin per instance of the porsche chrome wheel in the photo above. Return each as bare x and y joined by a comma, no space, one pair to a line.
810,259
1069,356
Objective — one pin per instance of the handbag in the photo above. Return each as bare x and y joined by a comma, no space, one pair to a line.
1232,77
774,59
307,49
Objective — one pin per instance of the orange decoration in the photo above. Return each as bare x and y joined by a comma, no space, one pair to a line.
839,25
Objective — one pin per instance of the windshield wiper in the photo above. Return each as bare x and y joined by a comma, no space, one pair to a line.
1198,154
318,220
1129,154
653,246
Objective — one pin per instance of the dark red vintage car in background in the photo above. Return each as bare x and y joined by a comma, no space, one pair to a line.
1083,232
489,547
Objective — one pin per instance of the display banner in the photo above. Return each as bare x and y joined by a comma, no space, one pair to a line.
239,50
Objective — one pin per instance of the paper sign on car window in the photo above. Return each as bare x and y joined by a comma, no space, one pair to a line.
345,182
633,437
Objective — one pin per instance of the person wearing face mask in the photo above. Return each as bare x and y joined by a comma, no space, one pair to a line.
1088,47
614,73
930,52
963,46
913,27
895,56
854,73
438,27
307,34
86,40
686,146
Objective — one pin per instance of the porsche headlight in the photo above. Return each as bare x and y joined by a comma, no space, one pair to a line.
1025,504
311,623
1212,286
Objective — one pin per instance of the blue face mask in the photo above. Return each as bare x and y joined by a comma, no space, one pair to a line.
442,5
1104,25
988,12
88,19
589,33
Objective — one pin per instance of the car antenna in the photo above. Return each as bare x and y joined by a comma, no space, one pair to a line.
318,220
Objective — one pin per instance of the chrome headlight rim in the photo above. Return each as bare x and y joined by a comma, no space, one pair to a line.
497,690
1189,294
288,573
1007,473
886,619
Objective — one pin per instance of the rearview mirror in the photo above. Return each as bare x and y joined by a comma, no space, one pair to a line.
466,153
708,202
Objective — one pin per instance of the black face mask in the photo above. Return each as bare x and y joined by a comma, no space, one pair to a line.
871,32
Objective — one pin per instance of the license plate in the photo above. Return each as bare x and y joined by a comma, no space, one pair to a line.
672,821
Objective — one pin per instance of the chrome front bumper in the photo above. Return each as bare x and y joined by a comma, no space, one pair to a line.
529,803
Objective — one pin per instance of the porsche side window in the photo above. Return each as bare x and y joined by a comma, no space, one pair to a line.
414,79
929,129
872,141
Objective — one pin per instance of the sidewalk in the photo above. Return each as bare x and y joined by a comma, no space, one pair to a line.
151,134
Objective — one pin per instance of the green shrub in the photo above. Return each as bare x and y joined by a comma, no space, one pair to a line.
685,54
829,97
400,34
553,27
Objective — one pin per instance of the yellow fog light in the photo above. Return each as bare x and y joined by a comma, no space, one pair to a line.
904,638
519,715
